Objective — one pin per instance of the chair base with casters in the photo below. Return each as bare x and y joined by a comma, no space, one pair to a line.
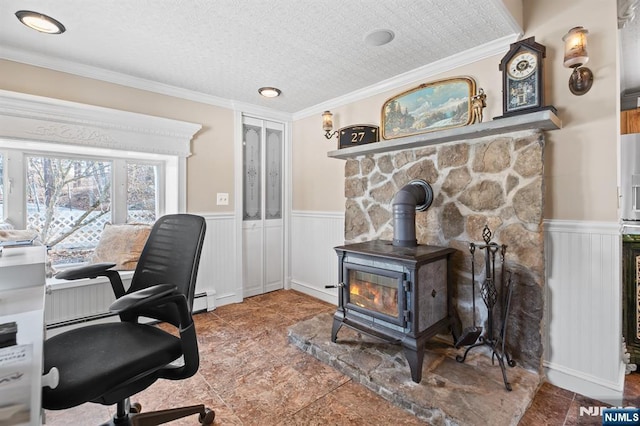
108,363
133,415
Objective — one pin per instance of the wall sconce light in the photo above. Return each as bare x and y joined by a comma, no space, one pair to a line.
327,125
575,56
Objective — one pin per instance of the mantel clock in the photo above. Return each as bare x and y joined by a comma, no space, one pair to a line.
523,78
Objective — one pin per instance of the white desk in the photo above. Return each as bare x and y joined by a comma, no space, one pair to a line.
22,291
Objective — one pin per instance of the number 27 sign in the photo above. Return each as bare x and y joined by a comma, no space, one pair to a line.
357,135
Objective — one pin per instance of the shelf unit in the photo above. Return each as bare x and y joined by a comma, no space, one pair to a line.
542,120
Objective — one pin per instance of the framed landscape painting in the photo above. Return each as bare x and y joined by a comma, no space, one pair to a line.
429,107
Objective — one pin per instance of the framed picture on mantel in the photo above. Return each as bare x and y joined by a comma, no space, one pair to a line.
429,107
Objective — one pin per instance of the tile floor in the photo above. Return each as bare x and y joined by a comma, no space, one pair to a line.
555,406
470,393
250,375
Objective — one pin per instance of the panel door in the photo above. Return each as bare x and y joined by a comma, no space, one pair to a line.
262,216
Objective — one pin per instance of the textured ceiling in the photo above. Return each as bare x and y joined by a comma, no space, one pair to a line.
313,51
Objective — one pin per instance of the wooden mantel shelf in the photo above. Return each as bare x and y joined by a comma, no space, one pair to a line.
543,120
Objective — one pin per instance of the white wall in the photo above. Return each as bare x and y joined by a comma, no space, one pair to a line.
583,264
580,168
314,263
580,187
583,272
216,286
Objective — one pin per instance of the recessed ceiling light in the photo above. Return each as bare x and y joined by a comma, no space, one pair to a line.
269,92
40,22
379,37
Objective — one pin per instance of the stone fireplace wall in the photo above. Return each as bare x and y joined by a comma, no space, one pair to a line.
495,181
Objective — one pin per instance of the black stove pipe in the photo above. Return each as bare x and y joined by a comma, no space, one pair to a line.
415,196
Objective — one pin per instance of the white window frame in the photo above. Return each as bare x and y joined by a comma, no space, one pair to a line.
16,177
44,125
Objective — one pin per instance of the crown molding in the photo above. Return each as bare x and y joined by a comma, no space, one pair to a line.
467,57
261,112
96,73
461,59
135,82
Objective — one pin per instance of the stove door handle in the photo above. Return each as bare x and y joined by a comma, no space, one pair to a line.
339,285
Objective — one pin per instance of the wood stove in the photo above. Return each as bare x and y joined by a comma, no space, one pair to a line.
400,294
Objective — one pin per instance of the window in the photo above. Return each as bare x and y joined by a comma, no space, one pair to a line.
1,187
68,201
68,195
142,187
121,166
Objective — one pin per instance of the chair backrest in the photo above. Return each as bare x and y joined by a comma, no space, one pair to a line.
171,255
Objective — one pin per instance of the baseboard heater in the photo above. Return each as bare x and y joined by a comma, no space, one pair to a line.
104,316
76,321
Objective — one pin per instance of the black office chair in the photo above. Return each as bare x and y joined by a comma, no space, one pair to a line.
107,363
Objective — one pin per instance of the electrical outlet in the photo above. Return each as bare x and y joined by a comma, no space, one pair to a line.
223,199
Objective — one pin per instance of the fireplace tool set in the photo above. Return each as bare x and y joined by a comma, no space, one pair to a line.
472,336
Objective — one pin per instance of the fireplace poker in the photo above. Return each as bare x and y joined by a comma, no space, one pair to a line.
470,334
506,290
505,316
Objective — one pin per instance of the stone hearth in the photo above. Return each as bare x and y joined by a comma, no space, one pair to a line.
450,393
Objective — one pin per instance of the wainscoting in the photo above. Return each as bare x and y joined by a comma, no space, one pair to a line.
582,323
583,317
216,277
314,263
73,301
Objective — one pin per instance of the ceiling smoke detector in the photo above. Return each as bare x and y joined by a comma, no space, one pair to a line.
379,37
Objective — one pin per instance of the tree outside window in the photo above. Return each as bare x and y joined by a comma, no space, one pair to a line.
69,200
68,203
142,187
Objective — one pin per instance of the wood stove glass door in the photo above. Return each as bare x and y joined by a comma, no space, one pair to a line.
375,292
262,186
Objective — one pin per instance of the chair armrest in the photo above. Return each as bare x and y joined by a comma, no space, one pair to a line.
86,271
145,296
95,270
166,294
